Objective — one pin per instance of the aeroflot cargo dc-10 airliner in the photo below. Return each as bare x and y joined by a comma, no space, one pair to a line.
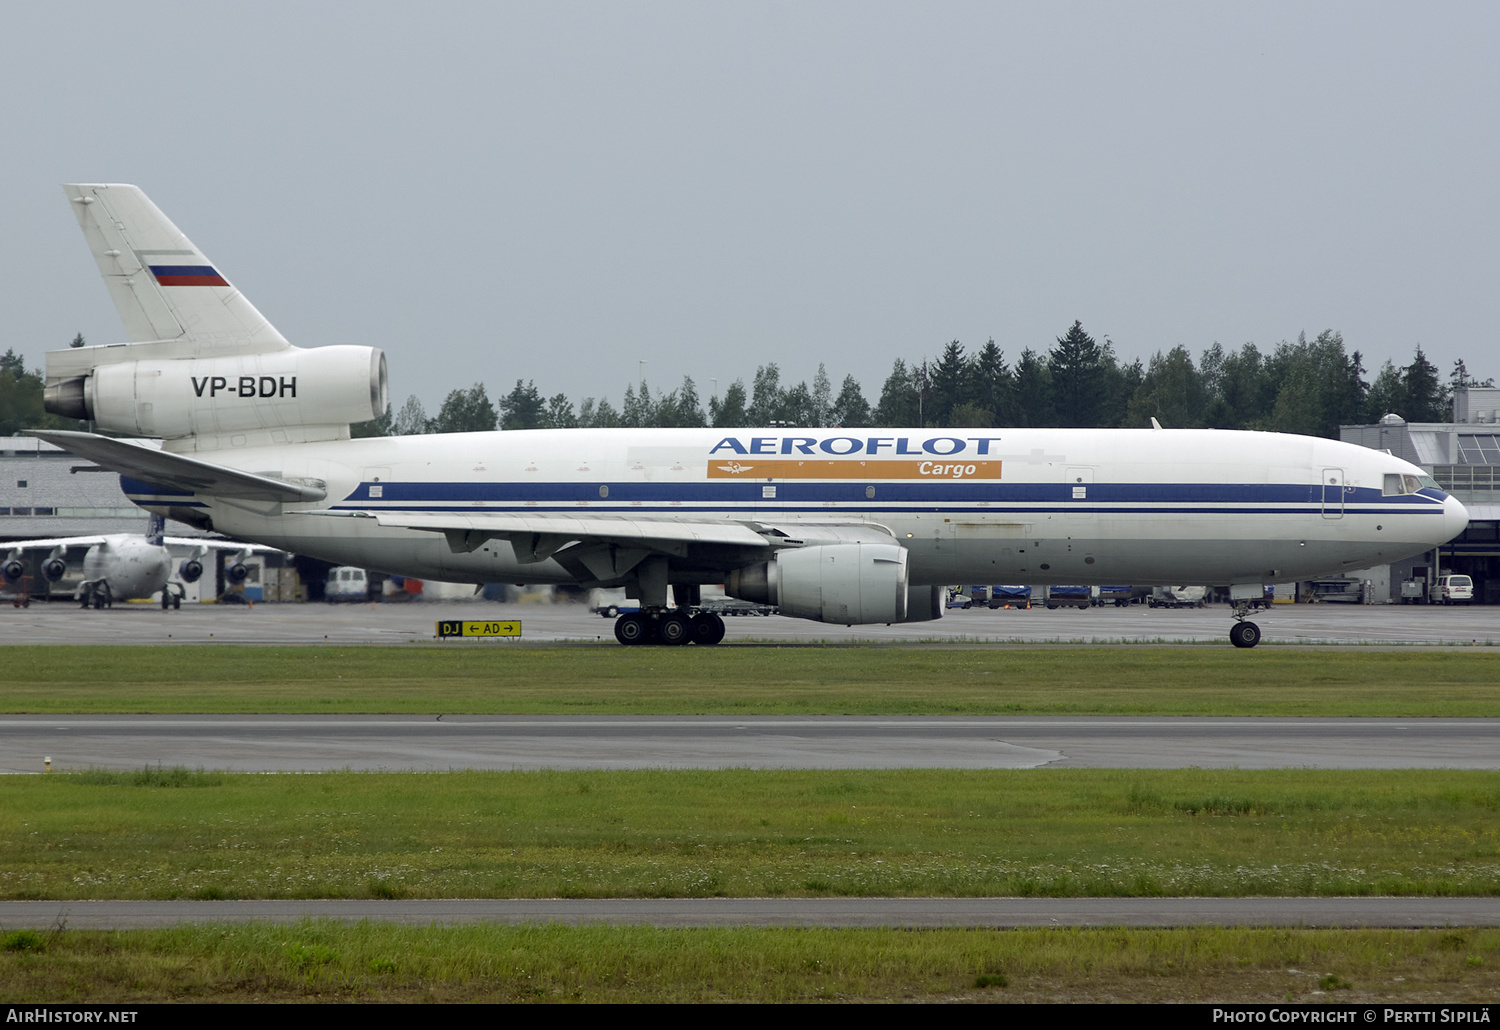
842,526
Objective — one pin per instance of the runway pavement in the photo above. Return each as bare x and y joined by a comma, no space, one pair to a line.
414,623
287,743
914,913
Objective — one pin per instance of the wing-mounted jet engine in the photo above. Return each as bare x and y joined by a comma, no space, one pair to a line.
850,584
13,568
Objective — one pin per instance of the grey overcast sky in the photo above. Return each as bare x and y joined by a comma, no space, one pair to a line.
557,191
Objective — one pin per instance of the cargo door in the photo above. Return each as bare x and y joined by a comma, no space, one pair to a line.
1078,492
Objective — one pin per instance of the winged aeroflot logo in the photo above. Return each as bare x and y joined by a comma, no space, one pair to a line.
734,468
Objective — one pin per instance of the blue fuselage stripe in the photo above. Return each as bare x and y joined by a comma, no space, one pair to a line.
1147,498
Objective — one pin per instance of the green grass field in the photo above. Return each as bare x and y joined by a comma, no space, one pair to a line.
325,961
178,834
739,833
800,680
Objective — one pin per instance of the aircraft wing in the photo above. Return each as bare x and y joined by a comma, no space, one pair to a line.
179,471
608,545
215,544
9,546
537,537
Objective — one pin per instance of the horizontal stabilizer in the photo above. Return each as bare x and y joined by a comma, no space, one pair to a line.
178,471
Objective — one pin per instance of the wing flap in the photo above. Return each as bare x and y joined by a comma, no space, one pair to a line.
178,471
540,536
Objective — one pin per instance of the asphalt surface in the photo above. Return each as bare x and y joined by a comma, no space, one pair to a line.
915,913
415,623
285,743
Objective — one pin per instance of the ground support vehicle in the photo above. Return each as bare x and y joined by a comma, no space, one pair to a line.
1455,589
1010,597
1069,597
1178,597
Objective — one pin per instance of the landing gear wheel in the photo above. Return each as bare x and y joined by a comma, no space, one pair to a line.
1244,634
634,628
166,600
708,628
674,629
176,602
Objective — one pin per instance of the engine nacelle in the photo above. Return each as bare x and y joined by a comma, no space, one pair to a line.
843,583
173,397
12,570
54,569
190,571
236,573
924,604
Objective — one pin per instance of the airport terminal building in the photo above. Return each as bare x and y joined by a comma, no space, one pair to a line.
1464,457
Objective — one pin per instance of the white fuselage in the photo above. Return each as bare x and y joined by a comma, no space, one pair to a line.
974,506
130,565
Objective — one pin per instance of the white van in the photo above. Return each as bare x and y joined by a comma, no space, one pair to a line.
1455,589
346,583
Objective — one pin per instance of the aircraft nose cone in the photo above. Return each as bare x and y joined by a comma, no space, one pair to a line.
1455,518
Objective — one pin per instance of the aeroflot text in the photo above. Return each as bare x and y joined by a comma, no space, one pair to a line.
943,446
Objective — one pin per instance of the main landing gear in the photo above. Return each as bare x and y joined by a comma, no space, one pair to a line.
1243,633
669,626
97,594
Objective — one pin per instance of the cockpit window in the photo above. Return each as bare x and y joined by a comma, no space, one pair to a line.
1397,484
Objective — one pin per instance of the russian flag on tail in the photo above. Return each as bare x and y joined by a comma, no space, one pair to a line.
187,275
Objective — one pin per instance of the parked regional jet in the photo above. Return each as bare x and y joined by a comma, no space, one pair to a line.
842,526
125,566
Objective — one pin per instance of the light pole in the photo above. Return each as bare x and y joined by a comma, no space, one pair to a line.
640,376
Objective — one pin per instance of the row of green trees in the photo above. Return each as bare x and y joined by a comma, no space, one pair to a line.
21,398
1310,387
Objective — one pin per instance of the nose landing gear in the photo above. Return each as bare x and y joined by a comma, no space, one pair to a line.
1243,633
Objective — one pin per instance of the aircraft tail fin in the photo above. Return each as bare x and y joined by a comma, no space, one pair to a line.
164,287
156,528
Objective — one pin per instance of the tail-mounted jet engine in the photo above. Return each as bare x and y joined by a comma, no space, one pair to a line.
851,584
174,397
